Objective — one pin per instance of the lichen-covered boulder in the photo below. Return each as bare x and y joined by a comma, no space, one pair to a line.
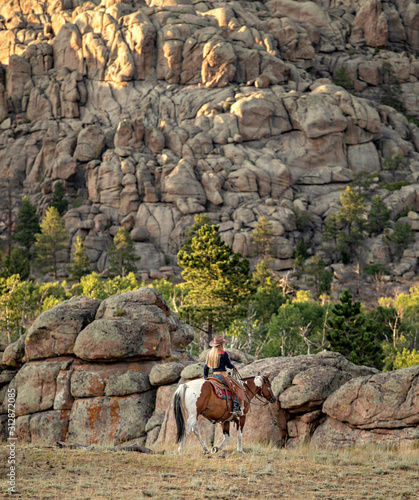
195,370
44,428
14,353
117,379
54,332
166,373
336,434
120,338
133,325
36,384
303,383
110,420
385,400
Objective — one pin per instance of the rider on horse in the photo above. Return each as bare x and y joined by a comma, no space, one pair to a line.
218,360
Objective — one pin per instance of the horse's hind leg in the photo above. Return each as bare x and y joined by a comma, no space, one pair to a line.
183,438
193,422
226,437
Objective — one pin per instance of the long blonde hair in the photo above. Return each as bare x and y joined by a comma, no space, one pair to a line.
213,358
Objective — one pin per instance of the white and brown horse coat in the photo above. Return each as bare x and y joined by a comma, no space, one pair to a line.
197,397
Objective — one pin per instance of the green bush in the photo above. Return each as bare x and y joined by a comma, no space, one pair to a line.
374,269
412,119
342,79
394,186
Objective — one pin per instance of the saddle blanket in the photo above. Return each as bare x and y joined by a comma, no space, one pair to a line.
220,393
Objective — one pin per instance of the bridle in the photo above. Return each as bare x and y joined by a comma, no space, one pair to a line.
264,401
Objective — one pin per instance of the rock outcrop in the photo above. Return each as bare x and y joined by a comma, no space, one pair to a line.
150,113
78,379
324,400
83,369
378,408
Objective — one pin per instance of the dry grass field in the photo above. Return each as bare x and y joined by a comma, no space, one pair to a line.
264,472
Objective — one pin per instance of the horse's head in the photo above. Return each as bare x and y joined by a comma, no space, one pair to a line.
263,384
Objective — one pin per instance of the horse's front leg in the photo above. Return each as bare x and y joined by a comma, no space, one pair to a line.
240,426
226,437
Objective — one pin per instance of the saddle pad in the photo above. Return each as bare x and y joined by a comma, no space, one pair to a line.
220,393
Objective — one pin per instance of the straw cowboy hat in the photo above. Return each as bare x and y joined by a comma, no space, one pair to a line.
217,340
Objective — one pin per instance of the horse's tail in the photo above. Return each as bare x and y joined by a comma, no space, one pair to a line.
180,411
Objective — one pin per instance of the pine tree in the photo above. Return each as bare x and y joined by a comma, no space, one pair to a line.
262,237
51,241
330,234
347,228
395,164
378,216
200,220
320,276
80,265
351,217
122,254
350,334
218,281
401,235
58,199
15,263
27,225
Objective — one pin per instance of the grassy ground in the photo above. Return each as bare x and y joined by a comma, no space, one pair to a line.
264,472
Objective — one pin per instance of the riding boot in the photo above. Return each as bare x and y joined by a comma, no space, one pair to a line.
237,394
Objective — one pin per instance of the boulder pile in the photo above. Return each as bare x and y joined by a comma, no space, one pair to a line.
327,401
87,370
104,372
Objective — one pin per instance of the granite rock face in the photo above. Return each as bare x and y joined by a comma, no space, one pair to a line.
152,112
126,396
76,382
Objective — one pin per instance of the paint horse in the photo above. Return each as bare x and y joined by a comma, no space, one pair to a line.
198,397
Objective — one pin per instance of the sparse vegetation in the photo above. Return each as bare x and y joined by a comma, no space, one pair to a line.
372,472
394,186
390,88
342,79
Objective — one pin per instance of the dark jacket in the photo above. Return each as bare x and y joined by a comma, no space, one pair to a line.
222,365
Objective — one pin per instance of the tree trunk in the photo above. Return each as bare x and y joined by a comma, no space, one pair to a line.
209,333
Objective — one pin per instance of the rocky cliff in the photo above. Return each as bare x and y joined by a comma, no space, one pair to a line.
104,372
151,112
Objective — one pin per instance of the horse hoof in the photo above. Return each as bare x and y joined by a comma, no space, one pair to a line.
215,449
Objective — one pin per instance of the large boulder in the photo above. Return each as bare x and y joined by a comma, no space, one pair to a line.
54,332
36,384
110,420
385,400
165,373
132,325
85,375
336,434
44,428
116,379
